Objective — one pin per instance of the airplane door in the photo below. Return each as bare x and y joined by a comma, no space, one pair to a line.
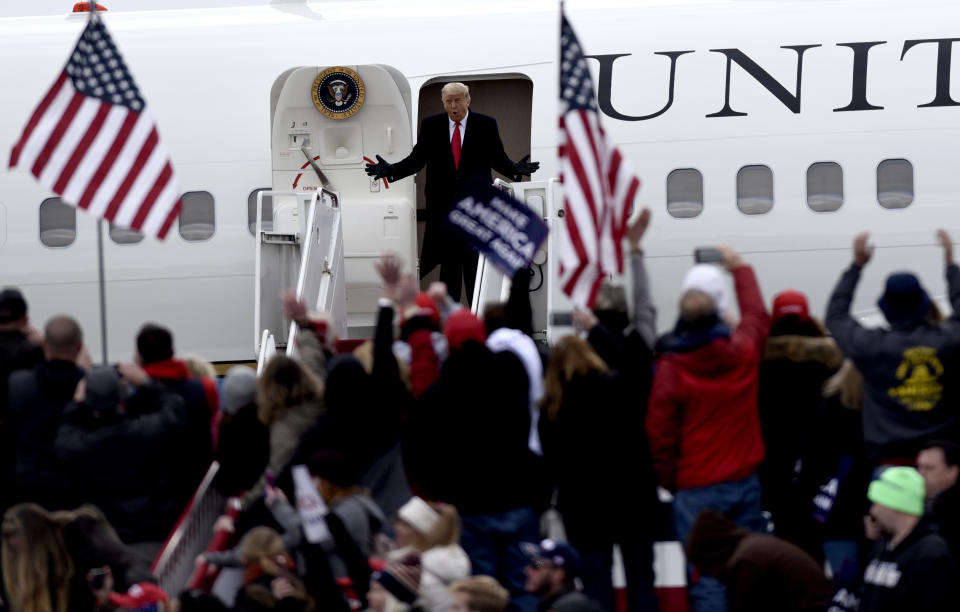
338,117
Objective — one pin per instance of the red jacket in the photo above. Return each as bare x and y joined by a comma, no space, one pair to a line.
702,419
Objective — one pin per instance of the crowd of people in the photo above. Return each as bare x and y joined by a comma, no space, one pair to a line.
459,465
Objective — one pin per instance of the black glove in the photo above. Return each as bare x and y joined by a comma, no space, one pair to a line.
381,169
524,167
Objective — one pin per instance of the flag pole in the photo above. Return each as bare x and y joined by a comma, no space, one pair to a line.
100,268
103,291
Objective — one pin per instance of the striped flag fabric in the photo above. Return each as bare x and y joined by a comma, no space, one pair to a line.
93,142
598,182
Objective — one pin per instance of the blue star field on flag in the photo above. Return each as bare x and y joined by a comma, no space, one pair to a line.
98,71
575,82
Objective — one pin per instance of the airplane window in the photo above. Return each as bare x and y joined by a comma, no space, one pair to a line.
124,235
58,223
252,211
684,193
824,186
197,216
895,183
754,190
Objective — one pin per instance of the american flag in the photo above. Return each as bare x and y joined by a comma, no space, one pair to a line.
93,142
598,182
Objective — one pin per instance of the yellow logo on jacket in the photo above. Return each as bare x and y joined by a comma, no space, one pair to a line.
920,372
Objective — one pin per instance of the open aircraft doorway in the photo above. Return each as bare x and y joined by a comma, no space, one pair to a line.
508,98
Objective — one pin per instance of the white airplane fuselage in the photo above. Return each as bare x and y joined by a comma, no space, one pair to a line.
706,86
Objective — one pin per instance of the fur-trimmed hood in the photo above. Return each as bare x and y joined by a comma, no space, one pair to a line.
804,349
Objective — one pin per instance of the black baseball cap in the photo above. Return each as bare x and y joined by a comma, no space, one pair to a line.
12,305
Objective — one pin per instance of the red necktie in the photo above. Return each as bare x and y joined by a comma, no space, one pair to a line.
455,145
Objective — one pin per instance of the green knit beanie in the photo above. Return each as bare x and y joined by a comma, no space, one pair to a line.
899,488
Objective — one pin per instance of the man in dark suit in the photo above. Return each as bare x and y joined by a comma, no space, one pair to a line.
452,157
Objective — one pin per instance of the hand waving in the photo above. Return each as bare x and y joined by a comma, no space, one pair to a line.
638,227
862,252
381,169
524,167
944,239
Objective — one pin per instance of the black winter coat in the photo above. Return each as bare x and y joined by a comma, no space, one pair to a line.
122,463
482,151
37,400
243,451
465,440
918,574
600,462
792,374
16,353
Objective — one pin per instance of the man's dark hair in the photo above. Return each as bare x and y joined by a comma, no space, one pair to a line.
951,450
154,343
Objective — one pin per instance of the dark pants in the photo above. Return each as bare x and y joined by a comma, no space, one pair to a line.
492,541
739,501
637,566
459,261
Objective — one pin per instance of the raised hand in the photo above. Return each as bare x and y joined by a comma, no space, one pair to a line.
731,259
407,290
390,269
638,228
862,252
381,169
525,167
583,318
294,309
944,239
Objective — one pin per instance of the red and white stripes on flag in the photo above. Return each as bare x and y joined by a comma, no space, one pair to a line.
598,182
93,142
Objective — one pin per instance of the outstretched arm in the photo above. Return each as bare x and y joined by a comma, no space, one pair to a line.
952,272
851,337
644,312
755,321
411,164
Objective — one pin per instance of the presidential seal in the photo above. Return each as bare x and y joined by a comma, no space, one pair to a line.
338,92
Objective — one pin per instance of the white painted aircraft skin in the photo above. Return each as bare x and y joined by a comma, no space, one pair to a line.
207,75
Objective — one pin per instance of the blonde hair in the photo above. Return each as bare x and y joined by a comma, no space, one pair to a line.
484,594
571,356
848,384
447,530
285,383
199,367
453,88
262,545
36,563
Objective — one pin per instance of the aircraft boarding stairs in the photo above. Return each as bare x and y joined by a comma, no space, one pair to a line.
302,249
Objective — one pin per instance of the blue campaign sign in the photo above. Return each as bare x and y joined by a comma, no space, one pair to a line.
503,229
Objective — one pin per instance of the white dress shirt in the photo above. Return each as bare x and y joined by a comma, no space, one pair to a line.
463,128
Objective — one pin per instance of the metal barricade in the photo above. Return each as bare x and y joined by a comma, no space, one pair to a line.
174,565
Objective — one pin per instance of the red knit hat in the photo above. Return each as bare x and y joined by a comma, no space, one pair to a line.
462,326
790,304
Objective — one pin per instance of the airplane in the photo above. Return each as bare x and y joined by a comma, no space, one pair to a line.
781,128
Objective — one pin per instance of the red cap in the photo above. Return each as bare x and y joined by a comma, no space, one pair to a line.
462,326
790,304
428,307
139,595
